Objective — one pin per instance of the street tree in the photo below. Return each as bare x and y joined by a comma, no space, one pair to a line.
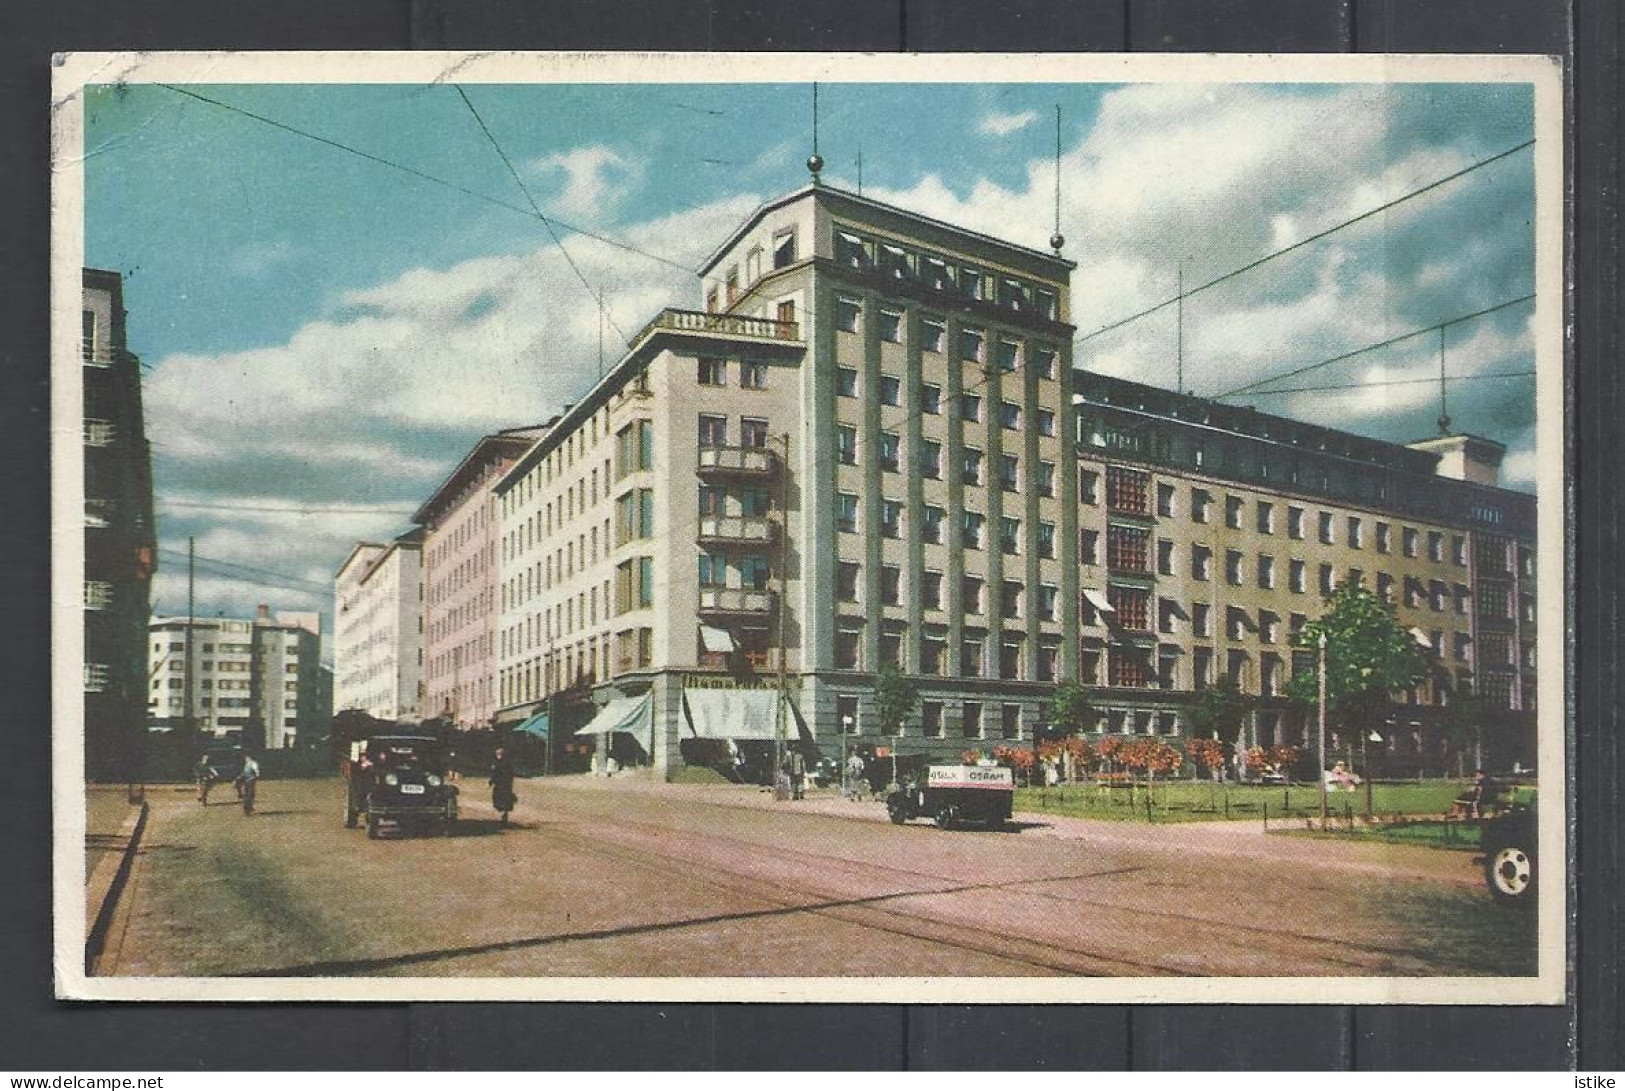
1462,721
1072,710
1369,657
1220,711
896,698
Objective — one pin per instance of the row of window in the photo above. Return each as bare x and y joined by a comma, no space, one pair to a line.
972,526
1013,598
930,402
981,655
869,253
889,456
713,371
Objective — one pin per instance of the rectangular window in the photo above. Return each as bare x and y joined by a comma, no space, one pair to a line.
1409,540
1126,490
1165,500
1458,550
846,581
930,398
846,382
970,344
932,331
1126,548
1435,547
1165,557
1046,422
1010,415
931,590
970,657
1327,583
1199,502
891,518
713,372
713,431
848,648
1009,535
1048,603
753,375
972,725
891,390
1328,534
1356,532
1009,355
1232,512
970,407
846,314
1266,517
931,525
1010,599
891,326
1088,547
970,594
1232,567
1294,523
1088,487
846,444
889,448
931,718
930,459
713,570
1296,580
1046,540
784,248
846,512
1046,479
1266,573
753,432
1132,606
1044,363
972,468
1009,473
1383,543
1201,619
970,530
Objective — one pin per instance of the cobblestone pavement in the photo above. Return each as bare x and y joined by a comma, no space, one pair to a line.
627,876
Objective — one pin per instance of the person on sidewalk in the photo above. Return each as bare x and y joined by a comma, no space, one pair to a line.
248,781
503,799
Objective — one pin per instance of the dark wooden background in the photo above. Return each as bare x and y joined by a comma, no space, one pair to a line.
37,1032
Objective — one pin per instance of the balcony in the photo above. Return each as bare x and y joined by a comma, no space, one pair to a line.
737,462
742,530
735,602
720,325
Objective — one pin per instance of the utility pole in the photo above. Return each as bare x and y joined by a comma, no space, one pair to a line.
188,719
1320,748
781,731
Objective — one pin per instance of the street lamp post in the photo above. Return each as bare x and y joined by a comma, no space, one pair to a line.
781,731
846,729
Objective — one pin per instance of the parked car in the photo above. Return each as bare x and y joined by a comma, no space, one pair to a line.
401,780
1509,845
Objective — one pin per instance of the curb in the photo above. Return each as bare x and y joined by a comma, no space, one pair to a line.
96,940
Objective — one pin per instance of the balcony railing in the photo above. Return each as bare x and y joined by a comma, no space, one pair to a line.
740,529
752,461
725,325
735,600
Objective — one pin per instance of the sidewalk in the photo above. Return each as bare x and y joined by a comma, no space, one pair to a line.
1220,839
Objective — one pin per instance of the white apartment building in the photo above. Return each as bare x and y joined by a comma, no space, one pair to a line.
256,679
378,630
859,452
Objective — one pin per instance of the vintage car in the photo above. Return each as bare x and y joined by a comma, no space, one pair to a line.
956,794
1508,842
401,780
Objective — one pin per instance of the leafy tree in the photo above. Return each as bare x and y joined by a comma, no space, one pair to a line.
1369,657
1071,710
896,698
1462,721
1219,712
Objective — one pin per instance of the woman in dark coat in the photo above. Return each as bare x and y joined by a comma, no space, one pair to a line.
502,797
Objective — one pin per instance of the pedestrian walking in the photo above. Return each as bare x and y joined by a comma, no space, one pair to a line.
856,782
249,778
205,778
798,775
502,795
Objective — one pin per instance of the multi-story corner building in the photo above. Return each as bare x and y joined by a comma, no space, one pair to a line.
1210,534
257,680
859,452
119,535
461,528
378,629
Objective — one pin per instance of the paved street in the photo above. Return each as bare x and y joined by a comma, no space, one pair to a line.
628,877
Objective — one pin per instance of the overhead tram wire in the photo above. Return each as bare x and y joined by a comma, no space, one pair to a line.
1252,387
506,162
248,574
1392,382
1183,295
530,213
282,509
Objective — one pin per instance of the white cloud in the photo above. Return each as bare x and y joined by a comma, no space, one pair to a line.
1005,124
595,180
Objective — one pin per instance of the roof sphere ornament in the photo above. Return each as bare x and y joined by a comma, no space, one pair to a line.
1056,241
815,163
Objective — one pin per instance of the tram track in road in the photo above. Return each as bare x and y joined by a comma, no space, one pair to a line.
1329,949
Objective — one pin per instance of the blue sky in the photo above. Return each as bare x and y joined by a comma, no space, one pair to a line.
325,335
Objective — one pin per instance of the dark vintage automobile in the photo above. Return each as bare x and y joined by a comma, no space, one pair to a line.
953,795
1508,842
401,780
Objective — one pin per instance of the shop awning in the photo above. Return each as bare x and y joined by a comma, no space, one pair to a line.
1099,601
1422,638
734,714
535,725
626,714
716,640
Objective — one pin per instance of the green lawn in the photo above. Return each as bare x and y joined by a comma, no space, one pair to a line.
1462,836
1203,801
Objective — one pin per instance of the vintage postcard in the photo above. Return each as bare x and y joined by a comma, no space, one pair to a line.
793,527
